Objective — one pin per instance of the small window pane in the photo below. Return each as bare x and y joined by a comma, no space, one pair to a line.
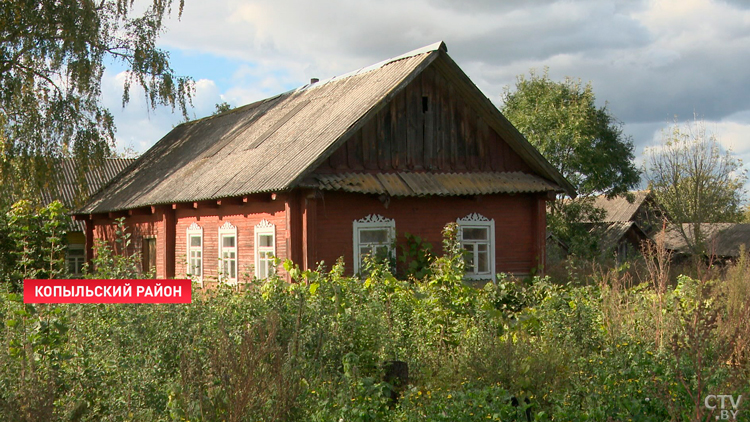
474,233
266,240
483,264
228,241
380,251
469,258
373,236
75,252
195,241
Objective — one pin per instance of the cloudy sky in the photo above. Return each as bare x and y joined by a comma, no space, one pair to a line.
651,61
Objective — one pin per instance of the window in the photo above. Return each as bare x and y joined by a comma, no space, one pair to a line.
477,236
76,257
148,254
228,253
195,252
265,249
373,236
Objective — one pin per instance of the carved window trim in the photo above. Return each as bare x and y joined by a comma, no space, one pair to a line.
194,253
225,264
371,222
478,221
264,228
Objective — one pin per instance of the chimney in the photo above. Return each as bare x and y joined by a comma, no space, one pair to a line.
314,80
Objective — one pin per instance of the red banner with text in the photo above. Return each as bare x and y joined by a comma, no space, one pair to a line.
107,291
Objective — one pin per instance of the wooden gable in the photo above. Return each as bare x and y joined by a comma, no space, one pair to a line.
428,126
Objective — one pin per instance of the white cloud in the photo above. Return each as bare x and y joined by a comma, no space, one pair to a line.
733,133
649,59
139,127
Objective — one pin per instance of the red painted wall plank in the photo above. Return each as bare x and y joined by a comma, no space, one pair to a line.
515,218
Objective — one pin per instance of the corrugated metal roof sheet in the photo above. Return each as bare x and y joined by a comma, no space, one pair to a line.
424,184
261,147
68,189
273,144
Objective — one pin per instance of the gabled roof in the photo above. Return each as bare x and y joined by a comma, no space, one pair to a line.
273,144
618,209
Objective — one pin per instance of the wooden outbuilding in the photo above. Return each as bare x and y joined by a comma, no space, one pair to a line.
338,168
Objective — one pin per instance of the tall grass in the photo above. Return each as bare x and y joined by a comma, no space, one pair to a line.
616,345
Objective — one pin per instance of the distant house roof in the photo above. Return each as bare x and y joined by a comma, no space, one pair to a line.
618,208
612,233
722,239
69,190
274,144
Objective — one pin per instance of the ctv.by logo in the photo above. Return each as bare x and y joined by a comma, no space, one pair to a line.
720,401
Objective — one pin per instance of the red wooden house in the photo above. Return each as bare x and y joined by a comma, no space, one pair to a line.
341,167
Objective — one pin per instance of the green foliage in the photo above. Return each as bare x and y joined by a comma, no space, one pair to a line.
32,241
695,180
570,221
117,261
417,256
316,349
583,141
222,107
52,60
470,402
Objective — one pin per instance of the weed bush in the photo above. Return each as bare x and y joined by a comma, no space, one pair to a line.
314,350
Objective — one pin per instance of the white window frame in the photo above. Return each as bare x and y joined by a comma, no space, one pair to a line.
75,247
372,221
476,220
264,228
193,231
228,230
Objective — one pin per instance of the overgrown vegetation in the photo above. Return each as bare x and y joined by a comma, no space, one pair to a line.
611,347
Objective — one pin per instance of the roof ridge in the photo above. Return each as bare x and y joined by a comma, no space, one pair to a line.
437,46
440,45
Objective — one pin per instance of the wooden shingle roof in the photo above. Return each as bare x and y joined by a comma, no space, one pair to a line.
273,144
618,209
722,239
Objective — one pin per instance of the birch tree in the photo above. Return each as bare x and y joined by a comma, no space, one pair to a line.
52,59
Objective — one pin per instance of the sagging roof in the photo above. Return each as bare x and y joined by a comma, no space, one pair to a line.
618,208
610,234
424,184
273,144
722,239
